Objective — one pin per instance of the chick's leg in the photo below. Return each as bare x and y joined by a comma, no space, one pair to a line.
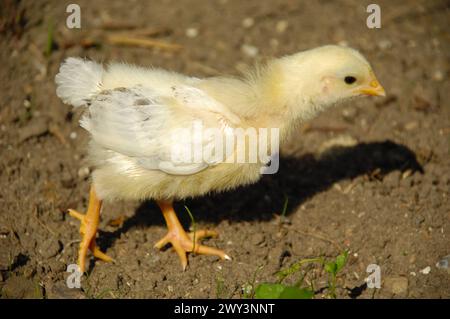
183,242
88,230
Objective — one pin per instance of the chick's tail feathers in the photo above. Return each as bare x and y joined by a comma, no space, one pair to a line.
78,80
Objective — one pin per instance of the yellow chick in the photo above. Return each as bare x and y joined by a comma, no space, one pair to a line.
132,114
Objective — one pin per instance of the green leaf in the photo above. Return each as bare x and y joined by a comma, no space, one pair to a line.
279,291
331,267
341,260
269,291
296,293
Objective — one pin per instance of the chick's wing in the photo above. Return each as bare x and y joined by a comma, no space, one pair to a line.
153,129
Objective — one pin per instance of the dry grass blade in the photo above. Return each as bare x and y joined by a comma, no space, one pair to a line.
140,42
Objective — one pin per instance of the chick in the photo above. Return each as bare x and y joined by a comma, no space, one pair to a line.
131,113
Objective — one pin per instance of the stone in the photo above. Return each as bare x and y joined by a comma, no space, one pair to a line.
248,22
191,32
426,270
444,263
250,50
281,26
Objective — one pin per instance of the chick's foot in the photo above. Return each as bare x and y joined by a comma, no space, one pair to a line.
184,242
88,230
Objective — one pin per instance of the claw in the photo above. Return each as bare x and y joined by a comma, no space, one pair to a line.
183,242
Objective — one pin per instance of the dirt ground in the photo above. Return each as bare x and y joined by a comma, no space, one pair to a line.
371,176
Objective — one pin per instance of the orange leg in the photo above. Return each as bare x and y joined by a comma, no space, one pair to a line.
183,242
88,230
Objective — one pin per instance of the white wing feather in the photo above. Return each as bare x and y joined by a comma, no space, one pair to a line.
78,80
134,122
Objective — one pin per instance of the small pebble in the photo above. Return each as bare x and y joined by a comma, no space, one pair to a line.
426,270
73,135
248,22
407,173
250,50
83,172
191,32
281,26
411,126
349,113
438,75
444,263
385,44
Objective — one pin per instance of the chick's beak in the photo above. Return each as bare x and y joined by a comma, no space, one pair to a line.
374,88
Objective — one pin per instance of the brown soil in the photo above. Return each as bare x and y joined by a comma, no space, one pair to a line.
371,176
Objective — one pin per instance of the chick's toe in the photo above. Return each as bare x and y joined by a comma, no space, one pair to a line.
184,242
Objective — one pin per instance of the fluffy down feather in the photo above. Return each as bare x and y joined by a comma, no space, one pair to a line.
78,80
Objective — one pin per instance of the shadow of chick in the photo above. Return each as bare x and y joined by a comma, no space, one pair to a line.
298,179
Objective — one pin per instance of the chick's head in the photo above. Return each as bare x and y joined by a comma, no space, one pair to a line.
325,76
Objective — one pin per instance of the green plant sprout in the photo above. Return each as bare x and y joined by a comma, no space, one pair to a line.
220,287
249,287
50,39
279,290
333,268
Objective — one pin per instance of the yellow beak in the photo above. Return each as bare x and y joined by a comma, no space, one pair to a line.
374,89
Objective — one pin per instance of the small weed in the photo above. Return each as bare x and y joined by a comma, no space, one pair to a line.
220,287
279,290
333,268
50,39
248,289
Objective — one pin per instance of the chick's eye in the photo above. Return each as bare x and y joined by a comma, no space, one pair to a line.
350,79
